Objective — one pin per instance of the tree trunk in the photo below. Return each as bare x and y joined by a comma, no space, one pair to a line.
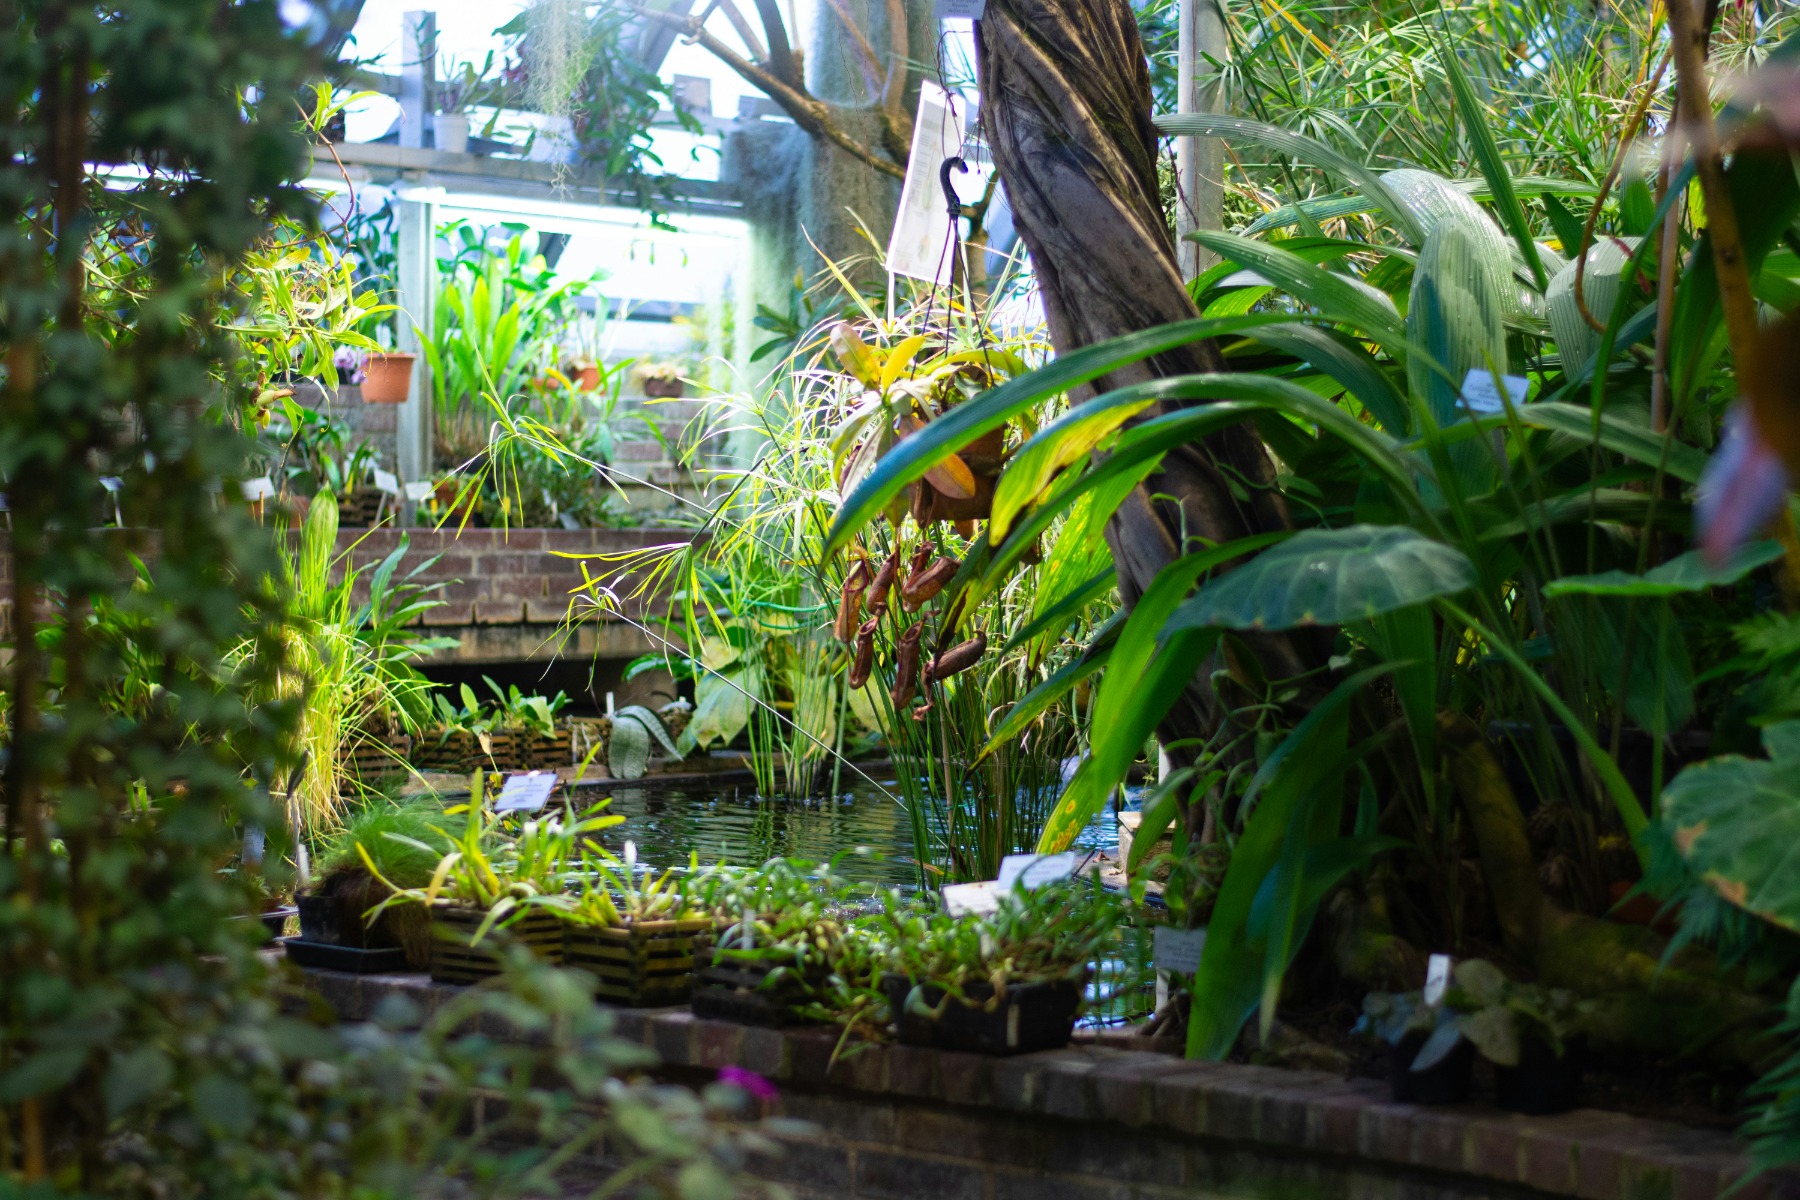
1066,104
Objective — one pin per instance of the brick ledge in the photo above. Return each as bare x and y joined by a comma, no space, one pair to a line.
1588,1153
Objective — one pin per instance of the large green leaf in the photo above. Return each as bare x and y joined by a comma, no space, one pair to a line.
1637,442
1687,572
1297,798
995,407
1493,167
1348,206
1457,314
1303,148
1143,680
1065,440
1328,577
1349,364
1576,340
1340,297
1737,822
1033,704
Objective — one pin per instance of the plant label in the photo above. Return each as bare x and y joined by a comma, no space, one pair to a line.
1437,978
387,481
420,489
260,488
1033,871
967,10
528,792
1480,394
1178,950
972,899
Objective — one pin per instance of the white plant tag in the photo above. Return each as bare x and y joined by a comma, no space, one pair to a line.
113,483
528,792
1033,871
972,899
1437,978
967,10
387,481
420,489
260,488
1481,396
1178,950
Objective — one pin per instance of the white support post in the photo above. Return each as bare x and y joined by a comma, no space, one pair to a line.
418,73
415,259
1199,161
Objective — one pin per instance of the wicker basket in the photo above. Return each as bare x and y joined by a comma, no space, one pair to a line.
375,755
454,960
641,963
742,991
459,752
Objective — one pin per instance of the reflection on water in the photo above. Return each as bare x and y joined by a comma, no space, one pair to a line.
734,824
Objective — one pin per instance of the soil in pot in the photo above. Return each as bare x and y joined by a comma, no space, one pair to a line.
1444,1082
1542,1082
1026,1018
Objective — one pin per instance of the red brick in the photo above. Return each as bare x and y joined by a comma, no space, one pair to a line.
1492,1149
1019,1084
965,1078
912,1070
765,1051
1179,1099
1333,1122
717,1044
1384,1132
810,1051
861,1066
1547,1162
672,1037
1437,1140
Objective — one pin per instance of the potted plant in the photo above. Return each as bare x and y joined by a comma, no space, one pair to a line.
1529,1032
499,881
1007,982
663,380
526,735
387,377
462,86
460,740
1409,1026
635,933
381,848
782,933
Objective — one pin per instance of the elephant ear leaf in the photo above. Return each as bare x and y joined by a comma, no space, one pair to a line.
1328,577
1456,316
1736,820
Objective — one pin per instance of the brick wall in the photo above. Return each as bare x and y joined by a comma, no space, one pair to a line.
1103,1123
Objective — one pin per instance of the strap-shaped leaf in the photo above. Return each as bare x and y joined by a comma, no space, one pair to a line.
1458,315
1636,442
996,406
1339,296
1328,577
1684,573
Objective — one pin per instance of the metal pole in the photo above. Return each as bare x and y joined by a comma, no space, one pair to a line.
418,73
416,266
1199,162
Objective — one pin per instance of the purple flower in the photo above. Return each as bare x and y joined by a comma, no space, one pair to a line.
349,363
750,1081
1743,488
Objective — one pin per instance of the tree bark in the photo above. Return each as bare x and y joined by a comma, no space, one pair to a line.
1066,104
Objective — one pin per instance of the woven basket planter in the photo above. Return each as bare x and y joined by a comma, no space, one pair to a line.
731,990
459,752
375,755
453,960
640,963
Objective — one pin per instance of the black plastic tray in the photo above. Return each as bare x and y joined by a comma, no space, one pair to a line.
327,957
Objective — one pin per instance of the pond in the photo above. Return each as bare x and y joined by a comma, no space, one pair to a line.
731,822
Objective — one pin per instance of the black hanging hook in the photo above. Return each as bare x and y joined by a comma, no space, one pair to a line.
952,201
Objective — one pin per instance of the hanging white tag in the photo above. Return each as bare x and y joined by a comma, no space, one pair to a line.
260,488
972,899
113,483
1178,950
967,10
1437,978
387,481
1480,394
420,489
525,793
1033,871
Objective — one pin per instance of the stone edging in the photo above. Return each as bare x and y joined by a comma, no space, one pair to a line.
1588,1154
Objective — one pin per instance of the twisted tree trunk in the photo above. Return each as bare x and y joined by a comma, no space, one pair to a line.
1066,104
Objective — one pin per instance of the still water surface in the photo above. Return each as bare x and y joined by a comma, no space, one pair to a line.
732,823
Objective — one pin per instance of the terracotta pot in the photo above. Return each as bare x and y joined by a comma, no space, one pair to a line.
587,379
387,378
665,389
